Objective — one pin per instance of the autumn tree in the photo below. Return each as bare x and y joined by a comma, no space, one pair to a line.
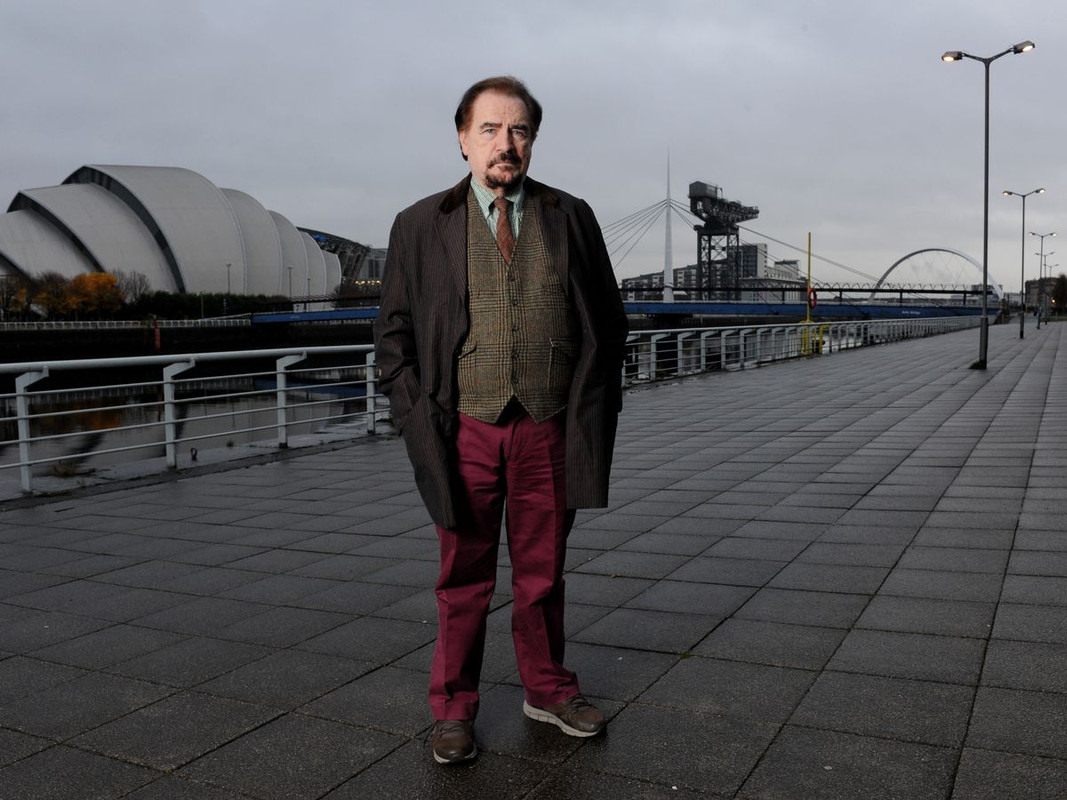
52,295
95,294
14,296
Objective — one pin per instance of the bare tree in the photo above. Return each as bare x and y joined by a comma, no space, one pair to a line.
133,285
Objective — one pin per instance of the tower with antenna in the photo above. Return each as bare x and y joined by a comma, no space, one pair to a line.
668,265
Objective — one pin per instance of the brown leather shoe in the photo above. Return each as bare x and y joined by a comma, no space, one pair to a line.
452,741
575,716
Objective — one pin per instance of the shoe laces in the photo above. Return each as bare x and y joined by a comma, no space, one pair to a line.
443,727
575,704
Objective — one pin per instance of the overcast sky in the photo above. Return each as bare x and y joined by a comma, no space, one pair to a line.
835,117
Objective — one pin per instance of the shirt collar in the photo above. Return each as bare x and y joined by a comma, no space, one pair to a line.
486,197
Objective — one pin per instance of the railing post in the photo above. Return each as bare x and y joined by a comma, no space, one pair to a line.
22,409
741,352
681,351
653,352
633,355
372,392
704,349
170,409
281,378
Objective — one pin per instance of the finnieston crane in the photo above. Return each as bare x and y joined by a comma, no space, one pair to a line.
718,239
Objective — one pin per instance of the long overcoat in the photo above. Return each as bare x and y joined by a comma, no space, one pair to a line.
423,321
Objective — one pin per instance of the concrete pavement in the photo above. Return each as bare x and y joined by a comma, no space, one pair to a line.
841,577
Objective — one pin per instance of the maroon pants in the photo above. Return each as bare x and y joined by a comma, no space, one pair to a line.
513,468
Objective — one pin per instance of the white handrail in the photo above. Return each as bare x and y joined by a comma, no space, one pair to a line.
63,428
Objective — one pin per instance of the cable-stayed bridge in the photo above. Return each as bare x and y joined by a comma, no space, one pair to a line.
735,276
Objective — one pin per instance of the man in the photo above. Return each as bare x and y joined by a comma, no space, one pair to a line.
500,340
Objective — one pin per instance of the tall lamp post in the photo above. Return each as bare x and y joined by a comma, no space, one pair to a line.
958,55
1022,256
1040,287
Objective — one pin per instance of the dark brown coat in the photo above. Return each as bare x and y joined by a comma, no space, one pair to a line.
423,321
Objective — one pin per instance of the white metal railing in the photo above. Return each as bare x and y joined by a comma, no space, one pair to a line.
66,417
663,354
237,321
83,417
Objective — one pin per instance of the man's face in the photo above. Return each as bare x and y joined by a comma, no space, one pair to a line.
498,141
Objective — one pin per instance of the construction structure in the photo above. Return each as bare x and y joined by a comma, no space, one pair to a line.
719,267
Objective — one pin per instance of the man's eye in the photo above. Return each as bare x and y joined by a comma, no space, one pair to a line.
519,133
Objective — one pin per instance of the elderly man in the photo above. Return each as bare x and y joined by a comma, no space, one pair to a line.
499,343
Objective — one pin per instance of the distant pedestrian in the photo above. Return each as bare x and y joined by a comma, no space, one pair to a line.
499,343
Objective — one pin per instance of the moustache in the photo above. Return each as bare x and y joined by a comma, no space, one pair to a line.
509,157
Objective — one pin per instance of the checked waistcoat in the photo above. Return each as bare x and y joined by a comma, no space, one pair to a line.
523,336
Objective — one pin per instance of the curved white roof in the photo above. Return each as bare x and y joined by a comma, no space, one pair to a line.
28,242
262,244
333,271
197,224
115,239
315,279
172,225
294,258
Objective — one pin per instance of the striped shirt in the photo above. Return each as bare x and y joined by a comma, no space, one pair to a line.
485,199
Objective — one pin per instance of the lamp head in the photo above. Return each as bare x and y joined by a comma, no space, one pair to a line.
952,55
1023,47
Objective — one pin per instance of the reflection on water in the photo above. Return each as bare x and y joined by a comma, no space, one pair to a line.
86,430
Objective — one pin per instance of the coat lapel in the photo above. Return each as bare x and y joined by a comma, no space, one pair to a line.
451,224
452,228
554,224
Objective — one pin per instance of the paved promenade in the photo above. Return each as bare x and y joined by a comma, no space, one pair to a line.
843,577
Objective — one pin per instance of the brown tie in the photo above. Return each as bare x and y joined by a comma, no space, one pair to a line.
505,239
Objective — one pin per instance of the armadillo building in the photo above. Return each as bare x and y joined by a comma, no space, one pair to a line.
171,225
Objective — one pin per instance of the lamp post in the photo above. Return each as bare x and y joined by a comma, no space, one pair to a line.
1041,276
1022,256
958,55
226,298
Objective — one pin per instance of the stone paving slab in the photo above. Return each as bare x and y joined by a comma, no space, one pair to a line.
841,577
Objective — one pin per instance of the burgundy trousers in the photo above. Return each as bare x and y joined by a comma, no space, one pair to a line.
513,469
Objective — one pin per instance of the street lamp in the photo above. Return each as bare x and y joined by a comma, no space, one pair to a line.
1041,276
959,55
226,298
1022,262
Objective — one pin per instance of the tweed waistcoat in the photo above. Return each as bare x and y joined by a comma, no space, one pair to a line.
523,336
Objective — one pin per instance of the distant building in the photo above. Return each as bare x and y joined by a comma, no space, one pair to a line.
745,273
171,225
1039,290
373,264
788,270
